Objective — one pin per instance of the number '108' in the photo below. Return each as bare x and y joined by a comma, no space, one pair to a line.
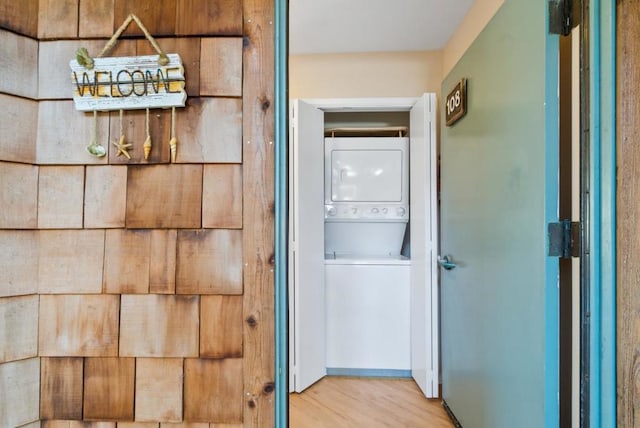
453,102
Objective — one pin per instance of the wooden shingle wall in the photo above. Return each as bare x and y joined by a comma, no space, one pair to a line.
19,240
19,389
137,293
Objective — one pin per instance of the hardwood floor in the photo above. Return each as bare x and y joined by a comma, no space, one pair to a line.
346,402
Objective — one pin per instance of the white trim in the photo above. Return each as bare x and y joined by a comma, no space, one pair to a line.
362,104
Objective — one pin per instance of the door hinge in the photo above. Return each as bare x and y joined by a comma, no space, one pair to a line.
564,15
564,239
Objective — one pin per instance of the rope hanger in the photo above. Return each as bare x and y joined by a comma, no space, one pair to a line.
84,59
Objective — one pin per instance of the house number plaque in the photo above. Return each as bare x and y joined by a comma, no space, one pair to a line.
456,103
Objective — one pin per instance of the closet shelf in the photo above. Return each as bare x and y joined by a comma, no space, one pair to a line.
377,131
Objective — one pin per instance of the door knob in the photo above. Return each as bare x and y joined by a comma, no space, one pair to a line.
446,262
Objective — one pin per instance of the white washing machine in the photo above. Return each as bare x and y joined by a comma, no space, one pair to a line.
367,277
368,316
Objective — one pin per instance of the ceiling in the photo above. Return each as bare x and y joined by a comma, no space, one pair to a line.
342,26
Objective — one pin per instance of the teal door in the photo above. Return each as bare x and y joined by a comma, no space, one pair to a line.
499,178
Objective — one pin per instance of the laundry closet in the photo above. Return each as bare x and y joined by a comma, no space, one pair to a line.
363,291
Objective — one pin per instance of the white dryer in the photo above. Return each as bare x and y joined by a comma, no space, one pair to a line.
366,195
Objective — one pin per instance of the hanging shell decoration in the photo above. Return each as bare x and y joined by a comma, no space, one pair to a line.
84,59
160,84
123,147
147,147
173,144
96,149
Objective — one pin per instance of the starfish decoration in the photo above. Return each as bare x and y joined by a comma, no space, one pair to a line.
122,147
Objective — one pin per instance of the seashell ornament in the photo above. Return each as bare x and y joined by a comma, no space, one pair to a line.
147,147
173,144
147,143
94,148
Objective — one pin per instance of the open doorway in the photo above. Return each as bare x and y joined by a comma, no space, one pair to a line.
381,75
597,210
363,246
363,240
324,78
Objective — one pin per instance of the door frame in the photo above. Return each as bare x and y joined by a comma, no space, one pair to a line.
424,251
281,200
601,210
601,205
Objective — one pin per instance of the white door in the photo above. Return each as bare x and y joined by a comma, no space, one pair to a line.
424,238
307,323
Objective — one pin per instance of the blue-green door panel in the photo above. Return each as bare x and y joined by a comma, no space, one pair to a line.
499,190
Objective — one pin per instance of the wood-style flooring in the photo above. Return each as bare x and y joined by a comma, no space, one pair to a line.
347,402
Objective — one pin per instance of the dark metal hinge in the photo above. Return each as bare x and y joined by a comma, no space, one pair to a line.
564,239
564,15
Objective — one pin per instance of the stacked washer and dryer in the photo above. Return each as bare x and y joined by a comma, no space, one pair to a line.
367,272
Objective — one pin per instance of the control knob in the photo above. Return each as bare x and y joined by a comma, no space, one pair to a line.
401,211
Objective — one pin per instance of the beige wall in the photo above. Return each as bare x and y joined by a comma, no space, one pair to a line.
379,74
476,19
386,74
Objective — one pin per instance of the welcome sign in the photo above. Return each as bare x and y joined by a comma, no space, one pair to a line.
128,83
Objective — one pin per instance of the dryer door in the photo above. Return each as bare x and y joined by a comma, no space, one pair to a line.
366,170
366,175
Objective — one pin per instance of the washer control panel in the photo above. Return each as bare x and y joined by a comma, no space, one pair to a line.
382,212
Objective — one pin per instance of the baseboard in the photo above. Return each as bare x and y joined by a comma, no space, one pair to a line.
456,422
337,371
